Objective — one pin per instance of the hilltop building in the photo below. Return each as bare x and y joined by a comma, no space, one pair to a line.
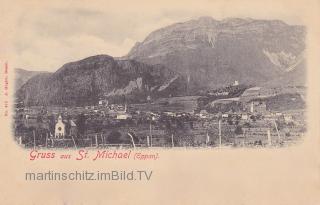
103,102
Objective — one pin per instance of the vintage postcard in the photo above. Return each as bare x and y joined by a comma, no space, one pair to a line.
176,102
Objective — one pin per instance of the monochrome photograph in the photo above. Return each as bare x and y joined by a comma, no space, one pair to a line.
202,82
206,102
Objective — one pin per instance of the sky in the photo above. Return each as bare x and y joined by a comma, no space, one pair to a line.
44,36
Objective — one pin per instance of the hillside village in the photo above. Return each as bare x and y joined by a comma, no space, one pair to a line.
254,117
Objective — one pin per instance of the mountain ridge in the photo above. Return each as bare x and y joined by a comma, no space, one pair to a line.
235,47
180,59
86,81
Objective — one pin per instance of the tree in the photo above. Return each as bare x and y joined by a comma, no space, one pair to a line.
67,127
81,124
247,124
114,137
253,118
238,130
229,120
52,124
135,138
39,119
191,124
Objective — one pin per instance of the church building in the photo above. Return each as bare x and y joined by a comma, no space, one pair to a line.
60,128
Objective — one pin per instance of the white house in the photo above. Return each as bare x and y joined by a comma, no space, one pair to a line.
225,115
123,116
288,118
244,117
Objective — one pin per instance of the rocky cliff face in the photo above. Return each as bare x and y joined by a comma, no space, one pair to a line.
85,81
211,53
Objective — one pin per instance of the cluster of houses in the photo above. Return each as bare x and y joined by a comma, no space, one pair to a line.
245,108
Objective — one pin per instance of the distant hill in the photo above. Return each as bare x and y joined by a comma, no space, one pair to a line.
84,82
22,76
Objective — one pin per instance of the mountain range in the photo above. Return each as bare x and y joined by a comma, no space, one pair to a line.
213,53
180,59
